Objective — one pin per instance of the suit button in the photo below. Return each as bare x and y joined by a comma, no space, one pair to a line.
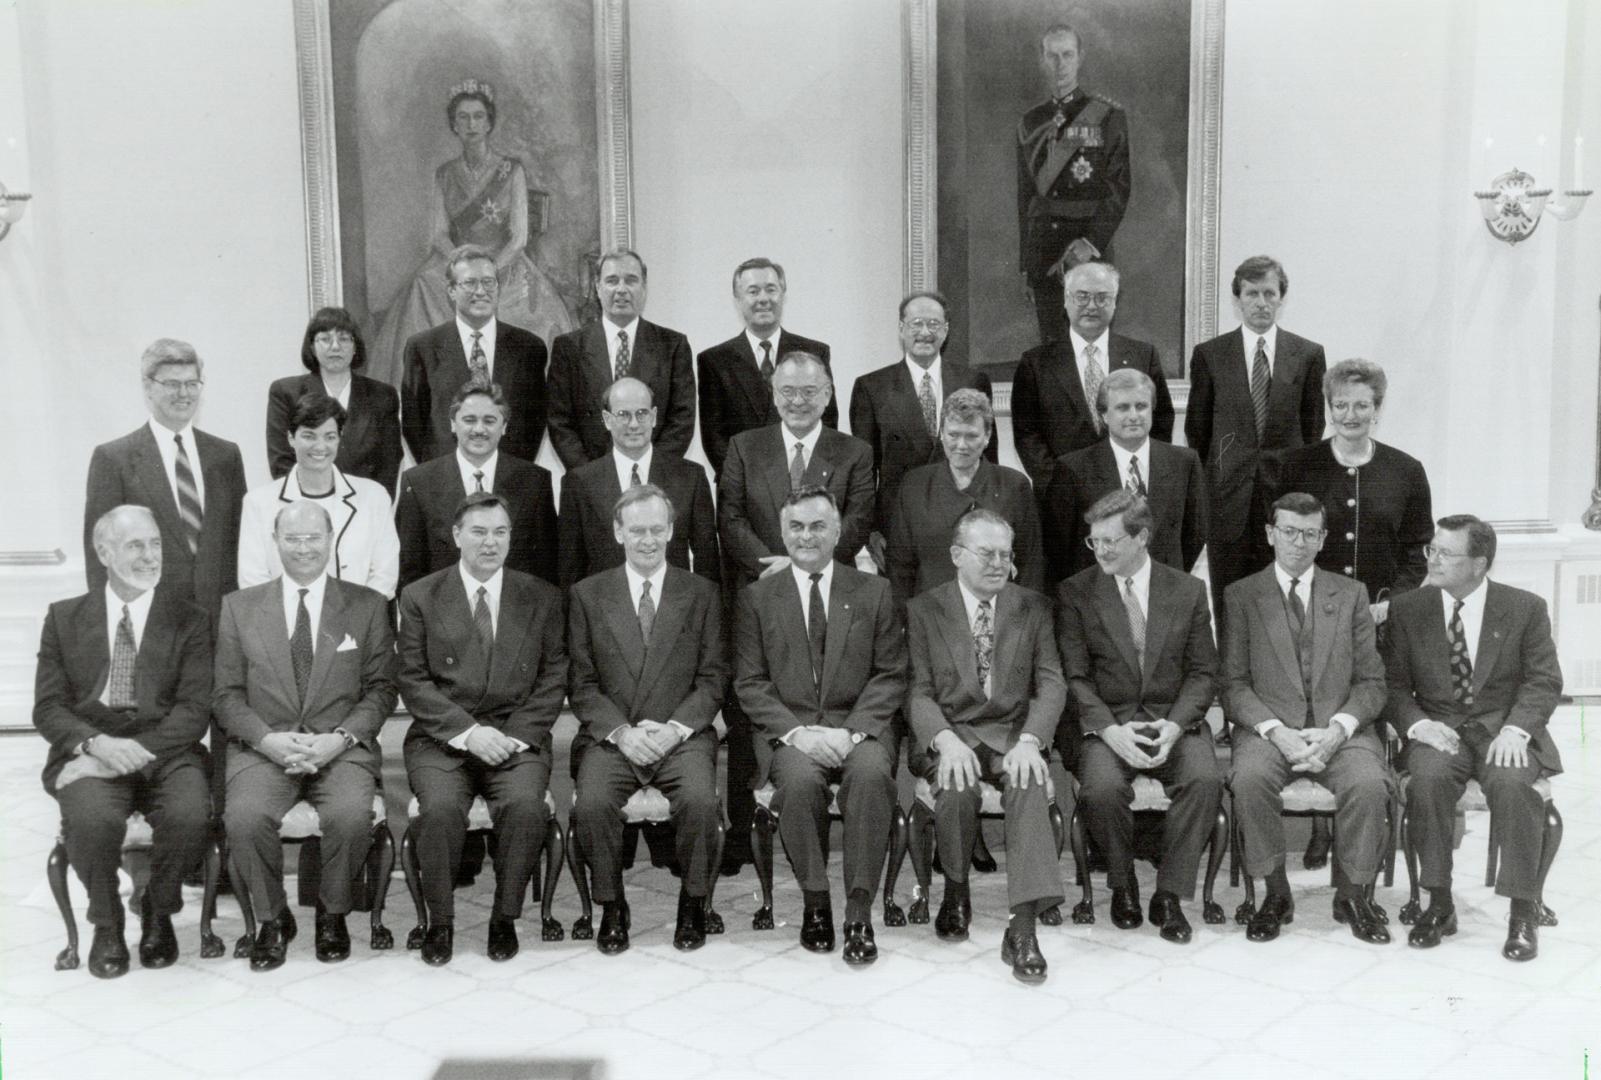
1350,502
450,660
1350,536
1350,569
1350,472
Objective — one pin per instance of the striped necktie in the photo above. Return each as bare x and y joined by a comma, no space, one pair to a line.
1260,382
189,508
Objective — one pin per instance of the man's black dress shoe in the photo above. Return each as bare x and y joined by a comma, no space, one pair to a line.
1126,909
1276,911
268,950
1522,940
108,953
613,936
502,938
817,930
1022,951
158,945
438,944
1433,926
952,921
860,948
1359,915
333,938
1168,916
690,933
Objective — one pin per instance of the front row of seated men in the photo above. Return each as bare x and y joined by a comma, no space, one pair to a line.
306,672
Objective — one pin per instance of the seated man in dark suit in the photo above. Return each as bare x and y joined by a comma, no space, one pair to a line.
986,694
584,362
649,672
1304,684
820,669
425,515
586,528
305,678
475,346
1055,387
735,378
1137,650
1474,679
1167,477
122,694
896,409
483,671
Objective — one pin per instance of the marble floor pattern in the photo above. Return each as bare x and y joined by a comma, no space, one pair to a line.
755,1006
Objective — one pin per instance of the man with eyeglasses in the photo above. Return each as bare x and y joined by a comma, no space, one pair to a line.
475,346
735,377
1141,666
764,465
1056,385
1474,679
1167,477
584,362
585,530
986,695
896,409
1304,684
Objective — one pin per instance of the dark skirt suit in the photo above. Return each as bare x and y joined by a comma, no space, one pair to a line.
927,507
1379,514
369,445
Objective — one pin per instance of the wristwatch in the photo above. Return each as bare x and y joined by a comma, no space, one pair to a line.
84,747
1033,738
350,740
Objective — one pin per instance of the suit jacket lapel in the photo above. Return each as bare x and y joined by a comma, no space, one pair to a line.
1161,481
958,635
273,631
777,470
150,667
91,635
1325,611
1008,632
671,611
597,350
821,466
1270,605
1114,616
841,597
330,632
1491,634
451,356
623,622
153,477
906,401
1287,363
1161,616
511,631
747,375
1064,370
1234,386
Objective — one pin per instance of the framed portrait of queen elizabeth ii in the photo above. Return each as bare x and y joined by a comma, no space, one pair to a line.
427,124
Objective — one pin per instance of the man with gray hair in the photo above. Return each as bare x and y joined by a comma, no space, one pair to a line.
122,694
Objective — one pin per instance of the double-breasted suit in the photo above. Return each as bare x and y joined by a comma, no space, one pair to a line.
1175,492
581,370
734,397
585,538
426,513
436,367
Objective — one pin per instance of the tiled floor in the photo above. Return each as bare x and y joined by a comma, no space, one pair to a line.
754,1005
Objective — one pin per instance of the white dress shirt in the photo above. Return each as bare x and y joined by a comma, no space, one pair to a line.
314,595
1303,589
1269,339
469,482
1103,356
625,466
138,613
808,443
756,345
917,370
486,341
1123,457
1142,587
169,457
610,330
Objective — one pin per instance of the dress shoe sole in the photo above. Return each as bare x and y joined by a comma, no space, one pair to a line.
333,956
1178,935
818,946
1022,975
155,961
688,944
860,960
1427,937
1378,935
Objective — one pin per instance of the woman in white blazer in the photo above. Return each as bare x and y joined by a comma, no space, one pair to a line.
366,548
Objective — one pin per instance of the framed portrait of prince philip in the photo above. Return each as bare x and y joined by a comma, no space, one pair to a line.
1041,134
428,124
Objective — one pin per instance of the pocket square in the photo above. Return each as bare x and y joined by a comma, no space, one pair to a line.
347,644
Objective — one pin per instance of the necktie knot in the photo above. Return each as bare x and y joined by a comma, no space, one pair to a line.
816,578
303,593
1456,607
483,593
479,477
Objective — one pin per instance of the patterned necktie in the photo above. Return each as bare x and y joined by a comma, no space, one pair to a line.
767,362
189,508
1136,618
479,478
300,653
482,622
1259,388
1136,482
478,363
817,628
925,397
1461,665
647,612
622,354
984,641
1094,375
123,655
797,467
635,481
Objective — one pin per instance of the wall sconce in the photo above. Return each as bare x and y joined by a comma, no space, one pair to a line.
1513,206
12,205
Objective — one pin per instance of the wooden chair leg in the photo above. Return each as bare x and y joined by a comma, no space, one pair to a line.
1413,908
761,832
1084,910
1240,873
242,947
893,914
309,878
714,921
211,945
577,866
1052,916
1211,910
55,871
381,861
920,845
1491,856
554,849
980,859
413,872
1550,841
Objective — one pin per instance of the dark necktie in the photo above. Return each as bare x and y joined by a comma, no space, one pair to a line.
300,653
817,628
478,477
767,362
1297,610
797,467
1136,482
635,481
478,363
1259,388
1461,665
647,612
1136,619
984,642
1094,376
925,397
189,508
123,655
482,621
622,354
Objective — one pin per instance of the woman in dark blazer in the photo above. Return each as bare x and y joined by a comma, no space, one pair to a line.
932,498
332,351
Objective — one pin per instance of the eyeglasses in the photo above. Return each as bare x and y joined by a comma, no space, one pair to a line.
925,325
334,337
638,416
1100,299
304,540
172,386
1290,535
474,284
797,393
1432,552
1104,543
986,555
